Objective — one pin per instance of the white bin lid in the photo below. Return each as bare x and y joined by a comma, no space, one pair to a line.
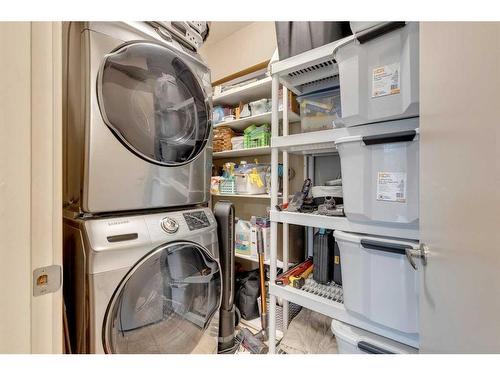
359,138
356,238
354,335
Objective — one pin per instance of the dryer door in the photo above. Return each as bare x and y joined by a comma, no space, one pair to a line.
153,103
167,303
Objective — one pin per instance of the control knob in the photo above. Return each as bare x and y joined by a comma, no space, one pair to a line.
169,225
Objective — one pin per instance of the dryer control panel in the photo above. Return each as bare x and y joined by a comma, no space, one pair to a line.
196,220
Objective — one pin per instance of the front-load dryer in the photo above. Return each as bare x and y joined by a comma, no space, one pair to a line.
143,284
137,120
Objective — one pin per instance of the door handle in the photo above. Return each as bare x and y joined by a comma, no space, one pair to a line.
420,253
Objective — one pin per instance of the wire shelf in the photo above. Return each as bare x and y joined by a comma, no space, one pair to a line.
330,291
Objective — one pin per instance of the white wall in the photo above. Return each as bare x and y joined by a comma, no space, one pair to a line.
244,48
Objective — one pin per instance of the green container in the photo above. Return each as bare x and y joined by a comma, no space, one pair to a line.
257,136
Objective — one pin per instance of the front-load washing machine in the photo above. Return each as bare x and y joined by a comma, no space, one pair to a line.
137,119
147,283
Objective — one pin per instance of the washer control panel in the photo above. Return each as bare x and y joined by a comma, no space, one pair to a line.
169,225
196,220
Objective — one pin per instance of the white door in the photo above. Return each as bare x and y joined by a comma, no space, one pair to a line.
460,185
30,185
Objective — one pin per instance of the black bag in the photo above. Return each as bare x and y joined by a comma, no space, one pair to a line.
247,292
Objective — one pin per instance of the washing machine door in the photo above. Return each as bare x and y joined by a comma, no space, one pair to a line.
153,103
167,303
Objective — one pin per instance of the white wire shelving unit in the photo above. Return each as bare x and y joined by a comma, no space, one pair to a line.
311,71
262,118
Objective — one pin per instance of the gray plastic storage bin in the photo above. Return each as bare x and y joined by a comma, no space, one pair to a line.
380,178
379,74
357,26
299,36
353,340
378,281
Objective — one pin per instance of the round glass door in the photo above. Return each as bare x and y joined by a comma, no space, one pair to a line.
153,103
166,303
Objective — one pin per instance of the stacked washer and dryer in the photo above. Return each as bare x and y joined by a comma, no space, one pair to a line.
141,258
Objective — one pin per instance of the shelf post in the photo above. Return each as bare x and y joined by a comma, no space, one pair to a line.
274,202
310,230
285,200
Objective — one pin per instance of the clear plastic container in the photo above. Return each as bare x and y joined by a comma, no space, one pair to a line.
237,143
260,106
379,78
378,281
251,179
242,237
319,110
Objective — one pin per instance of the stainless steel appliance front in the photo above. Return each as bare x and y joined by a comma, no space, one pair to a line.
132,287
137,120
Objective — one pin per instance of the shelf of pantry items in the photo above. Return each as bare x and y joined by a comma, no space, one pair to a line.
323,141
265,150
337,311
264,118
312,70
246,94
341,223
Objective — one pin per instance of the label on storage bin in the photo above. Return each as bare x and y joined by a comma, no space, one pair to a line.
386,80
391,187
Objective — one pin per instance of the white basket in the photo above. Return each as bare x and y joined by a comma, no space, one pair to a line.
378,280
237,143
380,178
379,79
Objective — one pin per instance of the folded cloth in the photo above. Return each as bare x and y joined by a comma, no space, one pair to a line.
309,333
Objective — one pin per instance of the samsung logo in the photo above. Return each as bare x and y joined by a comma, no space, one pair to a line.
117,222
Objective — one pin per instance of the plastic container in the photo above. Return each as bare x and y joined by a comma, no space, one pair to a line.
299,36
379,78
237,143
356,26
319,110
251,179
227,186
217,114
353,340
378,280
257,136
260,106
380,178
242,237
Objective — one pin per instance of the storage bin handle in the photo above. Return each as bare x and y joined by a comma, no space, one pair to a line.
372,349
379,30
384,246
403,136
